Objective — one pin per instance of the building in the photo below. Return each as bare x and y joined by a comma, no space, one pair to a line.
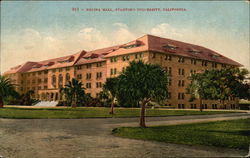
179,59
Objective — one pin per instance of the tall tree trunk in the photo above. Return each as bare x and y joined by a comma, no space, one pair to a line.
142,116
74,101
112,106
1,102
201,106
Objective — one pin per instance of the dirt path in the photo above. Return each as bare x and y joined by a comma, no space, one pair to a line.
91,138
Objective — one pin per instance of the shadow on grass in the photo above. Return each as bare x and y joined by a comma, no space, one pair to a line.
236,132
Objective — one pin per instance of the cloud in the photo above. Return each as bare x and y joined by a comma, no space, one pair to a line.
92,38
121,25
122,34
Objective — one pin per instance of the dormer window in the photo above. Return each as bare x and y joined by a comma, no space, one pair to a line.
215,55
170,46
131,45
49,64
194,51
66,60
37,66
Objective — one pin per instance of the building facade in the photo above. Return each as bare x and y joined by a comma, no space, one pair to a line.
92,68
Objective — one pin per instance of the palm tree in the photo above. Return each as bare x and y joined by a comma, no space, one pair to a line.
6,89
73,90
142,83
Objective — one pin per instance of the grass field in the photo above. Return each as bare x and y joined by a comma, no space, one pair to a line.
231,134
92,112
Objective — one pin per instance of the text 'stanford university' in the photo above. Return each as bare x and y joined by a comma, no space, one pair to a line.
179,59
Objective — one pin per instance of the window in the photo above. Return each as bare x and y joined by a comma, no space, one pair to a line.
193,106
140,55
169,95
98,75
54,79
127,57
192,72
204,63
88,85
67,68
123,69
39,73
136,56
181,106
60,70
45,87
181,96
181,83
214,106
67,77
214,65
181,60
224,65
98,84
34,74
193,61
45,80
169,70
39,87
113,71
113,59
60,78
33,81
168,57
46,72
169,81
79,76
154,55
98,64
39,80
79,67
181,72
54,70
88,76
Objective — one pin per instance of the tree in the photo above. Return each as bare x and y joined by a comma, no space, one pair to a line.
142,83
229,82
198,87
111,86
73,92
219,84
6,89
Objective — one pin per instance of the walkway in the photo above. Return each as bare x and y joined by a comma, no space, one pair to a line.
91,138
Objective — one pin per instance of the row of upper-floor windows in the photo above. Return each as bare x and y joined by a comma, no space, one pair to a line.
192,61
127,57
100,64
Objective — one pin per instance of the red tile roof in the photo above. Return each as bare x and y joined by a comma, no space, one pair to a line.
168,46
144,43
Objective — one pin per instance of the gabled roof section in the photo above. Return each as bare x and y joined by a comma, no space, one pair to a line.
20,68
96,55
138,45
179,48
65,61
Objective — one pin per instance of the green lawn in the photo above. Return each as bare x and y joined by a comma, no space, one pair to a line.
91,112
231,134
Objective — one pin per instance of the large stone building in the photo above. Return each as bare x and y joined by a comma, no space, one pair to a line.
179,59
